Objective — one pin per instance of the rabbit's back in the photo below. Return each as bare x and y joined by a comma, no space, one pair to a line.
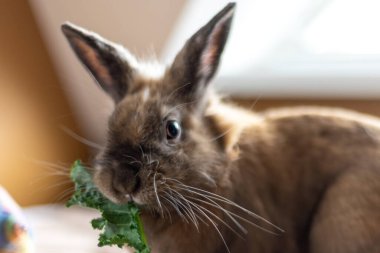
315,172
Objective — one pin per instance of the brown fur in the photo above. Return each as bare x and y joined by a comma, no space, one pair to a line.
313,172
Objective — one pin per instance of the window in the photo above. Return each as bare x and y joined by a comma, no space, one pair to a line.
294,48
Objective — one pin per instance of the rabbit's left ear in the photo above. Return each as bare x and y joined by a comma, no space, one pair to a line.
107,62
197,62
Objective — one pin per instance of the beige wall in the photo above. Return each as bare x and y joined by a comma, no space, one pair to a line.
32,107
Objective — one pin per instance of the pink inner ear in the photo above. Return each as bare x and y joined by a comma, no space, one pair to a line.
209,55
208,59
90,56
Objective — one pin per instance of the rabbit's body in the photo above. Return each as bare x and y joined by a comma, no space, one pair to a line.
211,177
312,171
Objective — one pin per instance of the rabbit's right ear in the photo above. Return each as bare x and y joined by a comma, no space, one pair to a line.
107,62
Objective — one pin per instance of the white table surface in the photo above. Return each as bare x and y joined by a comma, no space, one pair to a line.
57,229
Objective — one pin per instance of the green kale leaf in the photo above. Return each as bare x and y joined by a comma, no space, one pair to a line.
119,224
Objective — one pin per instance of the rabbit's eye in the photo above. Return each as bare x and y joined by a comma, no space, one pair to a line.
173,130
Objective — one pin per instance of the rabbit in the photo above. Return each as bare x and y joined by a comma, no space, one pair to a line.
212,177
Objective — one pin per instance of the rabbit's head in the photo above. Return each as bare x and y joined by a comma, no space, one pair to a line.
159,134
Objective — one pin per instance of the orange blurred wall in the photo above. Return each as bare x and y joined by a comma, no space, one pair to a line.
32,109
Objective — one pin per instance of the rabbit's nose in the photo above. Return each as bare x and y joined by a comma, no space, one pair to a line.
126,181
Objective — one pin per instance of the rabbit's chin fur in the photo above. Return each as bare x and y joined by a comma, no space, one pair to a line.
211,177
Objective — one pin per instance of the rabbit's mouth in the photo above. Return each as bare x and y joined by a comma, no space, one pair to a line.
149,194
137,199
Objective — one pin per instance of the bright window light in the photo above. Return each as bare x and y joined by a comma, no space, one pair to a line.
294,48
345,27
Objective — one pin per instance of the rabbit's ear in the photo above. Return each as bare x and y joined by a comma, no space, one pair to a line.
198,60
105,60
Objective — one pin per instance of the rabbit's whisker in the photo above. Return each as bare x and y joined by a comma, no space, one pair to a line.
81,139
169,198
217,197
190,210
156,194
219,219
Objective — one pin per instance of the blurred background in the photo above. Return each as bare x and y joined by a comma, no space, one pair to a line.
280,53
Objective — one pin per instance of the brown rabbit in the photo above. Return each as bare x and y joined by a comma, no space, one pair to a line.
211,177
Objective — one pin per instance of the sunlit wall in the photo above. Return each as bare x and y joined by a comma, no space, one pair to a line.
32,109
